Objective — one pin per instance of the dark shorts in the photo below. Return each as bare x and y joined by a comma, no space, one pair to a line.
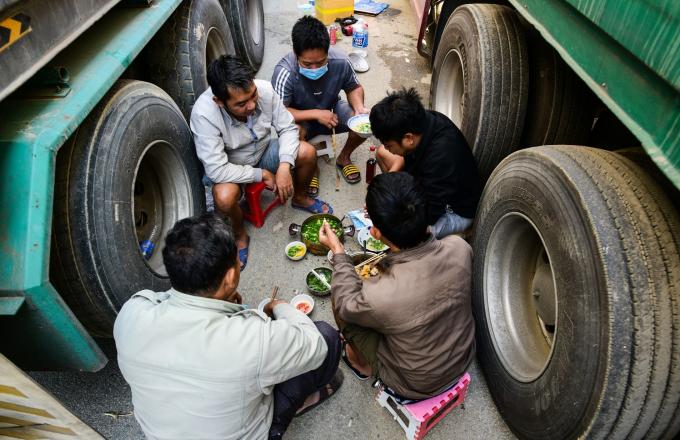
344,112
290,395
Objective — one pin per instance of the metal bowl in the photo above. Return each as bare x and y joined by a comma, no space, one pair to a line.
318,248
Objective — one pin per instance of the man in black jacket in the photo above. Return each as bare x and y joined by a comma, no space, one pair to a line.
427,145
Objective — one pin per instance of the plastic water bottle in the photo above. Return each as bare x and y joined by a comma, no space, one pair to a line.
147,247
360,38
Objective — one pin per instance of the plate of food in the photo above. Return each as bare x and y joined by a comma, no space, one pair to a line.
315,285
303,303
361,125
366,240
296,250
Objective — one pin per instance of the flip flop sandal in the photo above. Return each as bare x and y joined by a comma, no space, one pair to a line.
314,208
345,359
243,255
348,170
324,393
313,189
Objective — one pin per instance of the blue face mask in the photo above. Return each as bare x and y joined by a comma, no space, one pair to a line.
314,74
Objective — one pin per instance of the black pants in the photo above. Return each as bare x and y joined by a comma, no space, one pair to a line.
291,394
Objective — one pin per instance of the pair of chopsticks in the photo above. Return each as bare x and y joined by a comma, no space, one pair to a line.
337,170
374,259
274,293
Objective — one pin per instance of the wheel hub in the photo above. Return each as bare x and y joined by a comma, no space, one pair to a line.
450,88
520,297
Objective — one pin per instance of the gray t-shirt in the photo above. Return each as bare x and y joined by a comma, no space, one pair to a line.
302,93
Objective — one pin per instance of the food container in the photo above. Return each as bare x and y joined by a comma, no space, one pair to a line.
355,122
311,281
366,241
303,303
292,247
311,223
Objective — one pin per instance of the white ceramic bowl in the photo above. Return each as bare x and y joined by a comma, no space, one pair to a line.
303,298
296,243
263,303
355,121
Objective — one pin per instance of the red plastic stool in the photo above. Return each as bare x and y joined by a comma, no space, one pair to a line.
253,212
416,419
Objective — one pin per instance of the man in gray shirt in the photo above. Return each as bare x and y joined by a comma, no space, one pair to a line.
231,122
309,79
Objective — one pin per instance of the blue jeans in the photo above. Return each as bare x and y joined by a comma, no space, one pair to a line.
269,160
450,223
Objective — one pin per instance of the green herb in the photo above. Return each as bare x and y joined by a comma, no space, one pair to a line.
364,127
375,245
295,251
310,231
315,284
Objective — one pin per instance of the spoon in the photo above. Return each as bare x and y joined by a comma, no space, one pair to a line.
322,279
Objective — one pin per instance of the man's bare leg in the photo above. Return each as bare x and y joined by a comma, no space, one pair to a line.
358,361
227,196
344,158
388,162
305,165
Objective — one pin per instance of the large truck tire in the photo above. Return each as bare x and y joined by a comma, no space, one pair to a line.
126,176
246,18
576,277
480,80
561,108
196,34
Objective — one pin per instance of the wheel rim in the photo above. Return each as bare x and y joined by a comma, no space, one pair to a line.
254,12
520,297
215,46
161,196
451,87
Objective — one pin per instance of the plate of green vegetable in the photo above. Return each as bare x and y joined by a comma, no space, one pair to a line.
315,285
309,231
361,125
296,250
365,239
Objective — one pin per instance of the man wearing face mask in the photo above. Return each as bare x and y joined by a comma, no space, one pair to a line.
427,145
231,122
309,81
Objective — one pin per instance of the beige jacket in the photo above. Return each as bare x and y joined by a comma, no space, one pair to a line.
421,304
201,368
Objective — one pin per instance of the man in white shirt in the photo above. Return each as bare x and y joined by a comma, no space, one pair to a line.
231,122
201,365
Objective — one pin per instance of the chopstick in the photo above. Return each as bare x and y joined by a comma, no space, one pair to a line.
274,293
337,171
374,259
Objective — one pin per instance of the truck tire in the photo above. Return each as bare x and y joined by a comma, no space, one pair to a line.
480,80
127,175
561,108
576,278
246,18
196,34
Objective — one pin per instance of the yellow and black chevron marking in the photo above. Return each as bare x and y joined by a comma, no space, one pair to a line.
13,28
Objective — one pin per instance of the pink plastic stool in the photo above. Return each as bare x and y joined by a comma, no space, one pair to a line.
253,212
416,419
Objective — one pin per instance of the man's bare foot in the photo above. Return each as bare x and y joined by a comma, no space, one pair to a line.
301,202
316,398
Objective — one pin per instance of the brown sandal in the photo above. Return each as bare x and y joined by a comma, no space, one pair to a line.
325,392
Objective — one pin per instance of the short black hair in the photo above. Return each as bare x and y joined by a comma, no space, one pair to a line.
198,252
228,71
396,114
310,33
397,207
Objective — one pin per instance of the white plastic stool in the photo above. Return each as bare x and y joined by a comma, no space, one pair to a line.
416,419
328,140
